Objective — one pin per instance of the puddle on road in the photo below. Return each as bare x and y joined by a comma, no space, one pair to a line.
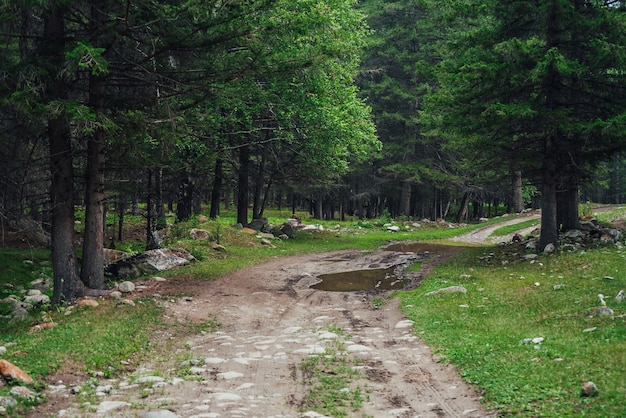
349,281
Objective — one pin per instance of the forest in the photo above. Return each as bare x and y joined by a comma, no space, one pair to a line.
417,108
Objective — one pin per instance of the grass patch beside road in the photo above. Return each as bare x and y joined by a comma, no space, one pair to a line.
485,332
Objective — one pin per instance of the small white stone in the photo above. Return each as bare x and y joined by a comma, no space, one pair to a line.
229,375
407,323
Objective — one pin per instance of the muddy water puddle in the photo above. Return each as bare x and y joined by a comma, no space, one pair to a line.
350,281
381,278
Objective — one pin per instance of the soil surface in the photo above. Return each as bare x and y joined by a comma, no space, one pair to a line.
272,321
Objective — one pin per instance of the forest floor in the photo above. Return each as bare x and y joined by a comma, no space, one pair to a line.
271,324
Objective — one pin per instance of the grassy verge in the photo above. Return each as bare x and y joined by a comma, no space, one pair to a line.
486,331
509,229
109,339
482,331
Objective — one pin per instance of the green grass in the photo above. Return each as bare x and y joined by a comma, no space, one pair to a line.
509,229
481,332
329,379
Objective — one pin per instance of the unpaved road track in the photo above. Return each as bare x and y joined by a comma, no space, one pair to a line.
272,321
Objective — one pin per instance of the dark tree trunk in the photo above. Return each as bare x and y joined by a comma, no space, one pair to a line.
149,215
243,185
567,205
67,283
317,207
405,199
185,199
549,226
161,222
92,266
265,197
217,189
258,189
518,198
120,213
464,208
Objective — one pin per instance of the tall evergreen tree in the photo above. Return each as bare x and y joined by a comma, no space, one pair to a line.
538,85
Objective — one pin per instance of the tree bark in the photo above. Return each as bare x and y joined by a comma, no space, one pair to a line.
549,226
185,198
92,266
67,284
217,189
518,198
405,199
243,185
567,205
463,209
258,189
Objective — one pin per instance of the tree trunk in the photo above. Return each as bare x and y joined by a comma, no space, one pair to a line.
258,189
161,222
120,210
567,205
549,226
405,199
317,207
217,189
463,210
518,198
67,284
185,199
92,266
243,185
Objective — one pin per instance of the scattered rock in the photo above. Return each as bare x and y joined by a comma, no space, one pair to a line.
315,227
592,329
41,327
3,350
265,241
201,234
589,389
218,247
451,289
125,302
149,262
529,256
23,392
289,228
150,379
126,287
558,287
37,299
88,302
549,249
159,414
620,296
601,310
259,225
12,372
108,406
8,402
393,228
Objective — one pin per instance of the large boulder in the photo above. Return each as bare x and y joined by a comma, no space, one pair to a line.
260,224
149,262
